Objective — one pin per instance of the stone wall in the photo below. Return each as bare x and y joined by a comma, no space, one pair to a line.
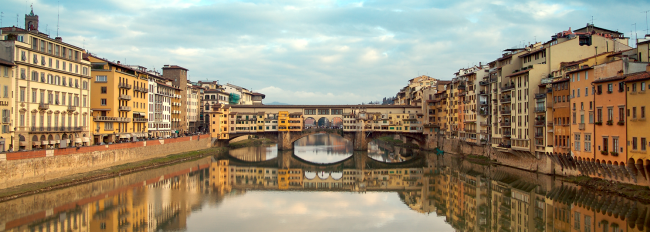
19,168
40,206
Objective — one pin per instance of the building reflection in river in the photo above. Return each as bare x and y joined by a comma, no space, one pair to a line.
470,197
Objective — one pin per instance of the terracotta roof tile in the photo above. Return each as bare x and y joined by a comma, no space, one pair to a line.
638,77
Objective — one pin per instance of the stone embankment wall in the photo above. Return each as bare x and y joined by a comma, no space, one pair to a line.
17,168
551,164
45,205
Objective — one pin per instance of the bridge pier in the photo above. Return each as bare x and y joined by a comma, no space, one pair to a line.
360,141
284,141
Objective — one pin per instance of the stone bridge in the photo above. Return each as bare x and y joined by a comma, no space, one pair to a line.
359,160
359,139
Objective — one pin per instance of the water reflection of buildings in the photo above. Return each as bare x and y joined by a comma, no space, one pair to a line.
332,144
255,154
470,197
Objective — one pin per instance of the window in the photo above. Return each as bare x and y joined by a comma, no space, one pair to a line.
22,94
634,141
34,95
605,144
100,79
633,112
108,126
84,85
610,114
610,88
615,144
599,115
642,86
35,59
104,89
643,144
621,114
587,142
634,87
84,101
577,142
103,101
6,116
642,111
5,94
586,91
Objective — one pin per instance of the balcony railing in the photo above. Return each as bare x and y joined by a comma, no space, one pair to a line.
461,87
482,92
124,86
125,97
484,83
506,124
507,87
140,119
484,124
540,109
482,102
141,89
43,106
506,112
540,95
539,135
483,112
506,99
539,123
125,108
111,119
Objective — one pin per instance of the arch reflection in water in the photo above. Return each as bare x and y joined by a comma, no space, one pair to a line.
221,193
255,154
323,148
384,152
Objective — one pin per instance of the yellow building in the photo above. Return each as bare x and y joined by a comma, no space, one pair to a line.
51,89
119,103
283,121
218,119
637,124
178,110
6,102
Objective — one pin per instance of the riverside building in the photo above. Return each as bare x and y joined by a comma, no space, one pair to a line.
49,90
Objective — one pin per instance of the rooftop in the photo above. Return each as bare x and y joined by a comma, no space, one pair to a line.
327,106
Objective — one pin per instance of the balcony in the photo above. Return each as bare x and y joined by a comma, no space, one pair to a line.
482,92
140,120
539,109
507,135
547,80
125,97
462,94
72,108
507,88
483,112
506,99
461,87
540,96
484,83
581,126
505,124
539,135
506,112
482,103
43,106
539,123
549,124
125,108
141,89
124,86
484,124
111,119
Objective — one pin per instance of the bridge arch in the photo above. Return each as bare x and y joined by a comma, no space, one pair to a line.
324,122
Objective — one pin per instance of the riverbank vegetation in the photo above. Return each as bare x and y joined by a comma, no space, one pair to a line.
251,142
397,142
72,180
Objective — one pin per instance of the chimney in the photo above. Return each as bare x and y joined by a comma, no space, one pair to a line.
621,73
58,39
118,62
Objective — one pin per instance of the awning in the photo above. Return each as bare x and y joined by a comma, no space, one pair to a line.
54,142
45,142
36,143
125,136
86,139
77,140
22,143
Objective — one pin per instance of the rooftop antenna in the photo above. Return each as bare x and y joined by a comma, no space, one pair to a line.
646,20
2,15
636,38
592,20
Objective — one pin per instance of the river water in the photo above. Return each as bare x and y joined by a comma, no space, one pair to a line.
323,185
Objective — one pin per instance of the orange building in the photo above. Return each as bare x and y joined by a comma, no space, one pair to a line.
610,131
561,116
582,112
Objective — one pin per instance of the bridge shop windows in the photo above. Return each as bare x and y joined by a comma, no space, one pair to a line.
323,111
310,112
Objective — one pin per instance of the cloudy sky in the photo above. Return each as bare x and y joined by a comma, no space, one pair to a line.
317,51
